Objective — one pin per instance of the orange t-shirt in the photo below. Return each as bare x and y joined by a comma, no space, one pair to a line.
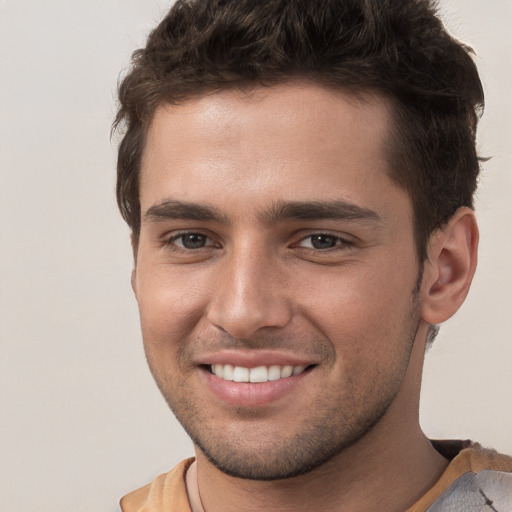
460,487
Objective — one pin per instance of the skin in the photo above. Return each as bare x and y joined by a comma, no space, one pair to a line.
225,272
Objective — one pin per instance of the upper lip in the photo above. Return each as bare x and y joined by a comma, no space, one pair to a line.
254,358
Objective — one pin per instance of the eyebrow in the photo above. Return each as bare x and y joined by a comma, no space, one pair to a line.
318,210
172,209
278,212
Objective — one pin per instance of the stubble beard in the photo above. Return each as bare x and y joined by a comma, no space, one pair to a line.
268,455
314,445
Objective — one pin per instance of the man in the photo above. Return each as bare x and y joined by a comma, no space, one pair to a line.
298,177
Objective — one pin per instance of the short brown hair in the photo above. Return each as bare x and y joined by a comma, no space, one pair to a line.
399,49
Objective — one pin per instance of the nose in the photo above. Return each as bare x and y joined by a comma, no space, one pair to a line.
251,294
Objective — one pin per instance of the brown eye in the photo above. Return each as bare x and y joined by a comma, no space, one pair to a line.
191,240
324,241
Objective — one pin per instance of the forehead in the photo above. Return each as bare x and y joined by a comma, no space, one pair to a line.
273,112
288,142
299,101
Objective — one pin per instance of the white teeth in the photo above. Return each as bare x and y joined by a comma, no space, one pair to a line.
257,374
274,373
241,374
286,371
227,371
298,369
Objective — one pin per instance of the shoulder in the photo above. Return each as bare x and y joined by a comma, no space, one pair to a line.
167,493
476,479
468,456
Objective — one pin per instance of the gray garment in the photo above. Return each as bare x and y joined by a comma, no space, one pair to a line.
486,491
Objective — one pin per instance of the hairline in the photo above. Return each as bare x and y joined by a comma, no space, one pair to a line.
360,93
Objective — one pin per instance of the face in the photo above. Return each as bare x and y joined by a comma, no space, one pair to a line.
275,274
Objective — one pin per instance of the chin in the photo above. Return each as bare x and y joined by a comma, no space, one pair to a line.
267,457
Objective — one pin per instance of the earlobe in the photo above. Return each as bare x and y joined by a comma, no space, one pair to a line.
451,264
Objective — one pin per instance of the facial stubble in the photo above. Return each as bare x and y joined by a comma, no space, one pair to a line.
264,454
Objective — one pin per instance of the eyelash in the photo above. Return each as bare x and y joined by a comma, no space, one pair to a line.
340,243
171,241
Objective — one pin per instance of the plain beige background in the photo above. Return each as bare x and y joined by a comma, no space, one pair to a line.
81,421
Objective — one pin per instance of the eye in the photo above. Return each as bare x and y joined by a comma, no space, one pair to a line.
191,241
323,241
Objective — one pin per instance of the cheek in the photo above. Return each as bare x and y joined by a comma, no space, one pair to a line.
170,303
361,305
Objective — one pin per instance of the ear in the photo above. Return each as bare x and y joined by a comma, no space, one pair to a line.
450,266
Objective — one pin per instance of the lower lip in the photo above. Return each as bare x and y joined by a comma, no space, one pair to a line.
250,394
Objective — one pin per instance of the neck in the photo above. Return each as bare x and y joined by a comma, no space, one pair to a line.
388,469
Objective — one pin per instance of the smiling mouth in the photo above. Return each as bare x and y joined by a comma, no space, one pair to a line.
229,372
